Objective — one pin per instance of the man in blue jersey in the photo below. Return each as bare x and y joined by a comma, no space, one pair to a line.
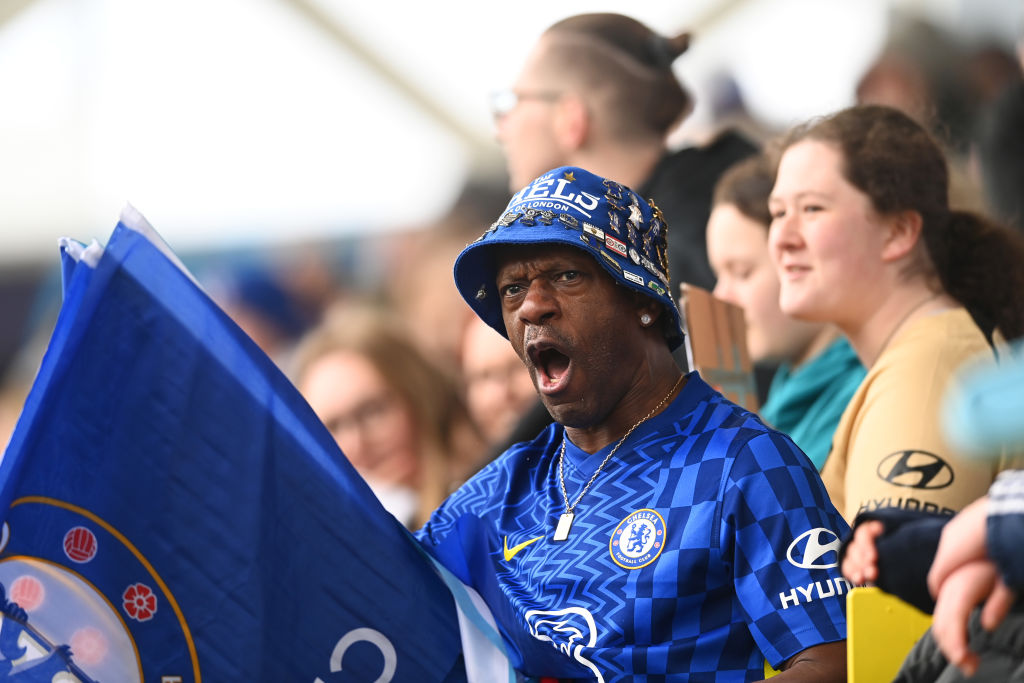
655,531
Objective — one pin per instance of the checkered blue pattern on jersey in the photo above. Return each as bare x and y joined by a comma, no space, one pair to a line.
722,596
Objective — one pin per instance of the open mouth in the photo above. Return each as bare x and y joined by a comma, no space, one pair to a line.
552,366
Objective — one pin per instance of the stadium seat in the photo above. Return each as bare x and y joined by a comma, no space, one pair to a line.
881,629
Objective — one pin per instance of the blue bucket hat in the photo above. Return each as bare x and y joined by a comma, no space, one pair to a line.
624,233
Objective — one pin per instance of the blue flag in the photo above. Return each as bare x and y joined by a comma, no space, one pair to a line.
175,512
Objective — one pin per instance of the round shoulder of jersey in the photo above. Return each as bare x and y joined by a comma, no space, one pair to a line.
638,539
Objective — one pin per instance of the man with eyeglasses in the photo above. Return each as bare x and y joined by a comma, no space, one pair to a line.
598,91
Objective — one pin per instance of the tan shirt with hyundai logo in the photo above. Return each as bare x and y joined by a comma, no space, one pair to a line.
888,449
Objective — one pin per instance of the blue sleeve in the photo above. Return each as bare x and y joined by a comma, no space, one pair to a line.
782,534
509,477
472,496
1005,532
480,496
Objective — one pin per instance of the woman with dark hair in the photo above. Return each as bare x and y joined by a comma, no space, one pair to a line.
817,371
863,237
598,91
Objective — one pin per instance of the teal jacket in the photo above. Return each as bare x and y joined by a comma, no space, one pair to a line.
807,403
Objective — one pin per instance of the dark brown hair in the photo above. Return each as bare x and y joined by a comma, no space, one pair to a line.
630,65
898,165
747,185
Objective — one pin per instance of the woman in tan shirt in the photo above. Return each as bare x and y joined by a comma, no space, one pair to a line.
863,237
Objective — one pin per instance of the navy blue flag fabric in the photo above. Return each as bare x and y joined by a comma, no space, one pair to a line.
174,511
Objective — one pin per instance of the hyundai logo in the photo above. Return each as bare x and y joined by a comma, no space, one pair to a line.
915,470
811,548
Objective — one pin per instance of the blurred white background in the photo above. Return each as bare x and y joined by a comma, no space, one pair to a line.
257,122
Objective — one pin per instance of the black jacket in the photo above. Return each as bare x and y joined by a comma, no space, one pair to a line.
681,185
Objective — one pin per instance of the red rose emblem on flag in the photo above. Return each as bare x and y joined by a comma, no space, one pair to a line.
139,602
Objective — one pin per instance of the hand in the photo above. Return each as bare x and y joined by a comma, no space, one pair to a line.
961,592
962,541
860,563
825,662
15,611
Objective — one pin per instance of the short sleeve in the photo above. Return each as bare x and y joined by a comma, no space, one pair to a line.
781,534
896,454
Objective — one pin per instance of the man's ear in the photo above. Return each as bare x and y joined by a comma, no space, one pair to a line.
903,232
572,122
647,306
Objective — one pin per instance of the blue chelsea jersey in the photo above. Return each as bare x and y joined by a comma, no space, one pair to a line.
706,545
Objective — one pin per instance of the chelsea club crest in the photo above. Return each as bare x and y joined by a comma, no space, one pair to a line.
638,539
80,603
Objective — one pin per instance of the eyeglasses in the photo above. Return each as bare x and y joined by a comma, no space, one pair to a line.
504,101
372,415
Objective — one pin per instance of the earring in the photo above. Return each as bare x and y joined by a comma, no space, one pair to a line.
645,319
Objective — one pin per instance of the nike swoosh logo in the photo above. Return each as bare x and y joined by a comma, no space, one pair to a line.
511,552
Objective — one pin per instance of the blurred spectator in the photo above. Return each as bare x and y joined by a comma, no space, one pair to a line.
945,86
921,72
12,399
1001,155
419,267
499,389
819,370
30,333
395,415
259,302
896,80
989,69
729,111
863,237
598,91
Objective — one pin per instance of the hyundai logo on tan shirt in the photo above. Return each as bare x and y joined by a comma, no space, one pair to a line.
915,470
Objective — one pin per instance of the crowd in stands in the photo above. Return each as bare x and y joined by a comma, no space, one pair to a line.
874,251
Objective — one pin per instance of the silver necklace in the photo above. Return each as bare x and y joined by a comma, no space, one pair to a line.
565,521
906,316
